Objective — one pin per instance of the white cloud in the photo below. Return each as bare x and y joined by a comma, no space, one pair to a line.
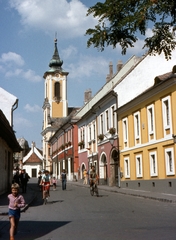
149,32
12,58
29,75
71,51
20,121
87,66
34,108
48,15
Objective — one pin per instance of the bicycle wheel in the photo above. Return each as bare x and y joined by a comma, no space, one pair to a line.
92,191
45,200
96,191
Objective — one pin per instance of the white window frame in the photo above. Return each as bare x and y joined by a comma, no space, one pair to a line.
153,165
169,161
166,115
125,131
139,168
101,129
137,127
127,167
151,121
94,130
113,117
89,132
107,119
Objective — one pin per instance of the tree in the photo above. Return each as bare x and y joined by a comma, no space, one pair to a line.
121,21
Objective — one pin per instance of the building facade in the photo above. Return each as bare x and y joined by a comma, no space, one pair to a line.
147,125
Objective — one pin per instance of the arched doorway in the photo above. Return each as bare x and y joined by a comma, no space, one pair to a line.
114,168
82,170
103,169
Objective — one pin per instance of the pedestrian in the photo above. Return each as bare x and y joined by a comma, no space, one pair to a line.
88,175
63,179
24,178
85,176
16,201
16,178
54,181
39,180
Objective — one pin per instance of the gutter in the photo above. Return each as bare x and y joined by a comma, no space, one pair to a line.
14,106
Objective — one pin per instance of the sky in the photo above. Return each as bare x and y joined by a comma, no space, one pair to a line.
28,29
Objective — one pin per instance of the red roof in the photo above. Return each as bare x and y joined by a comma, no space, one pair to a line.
33,159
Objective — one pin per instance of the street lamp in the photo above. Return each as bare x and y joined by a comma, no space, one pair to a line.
111,140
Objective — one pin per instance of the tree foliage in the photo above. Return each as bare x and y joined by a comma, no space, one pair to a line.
121,21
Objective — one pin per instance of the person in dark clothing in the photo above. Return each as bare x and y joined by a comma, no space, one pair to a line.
63,179
16,178
24,178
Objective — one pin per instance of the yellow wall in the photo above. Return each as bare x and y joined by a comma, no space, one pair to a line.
146,147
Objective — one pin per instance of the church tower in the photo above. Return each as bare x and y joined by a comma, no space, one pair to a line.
55,103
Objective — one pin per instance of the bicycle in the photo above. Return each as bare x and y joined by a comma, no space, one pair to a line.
94,189
46,193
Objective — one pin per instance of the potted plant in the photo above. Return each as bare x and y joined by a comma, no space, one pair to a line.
66,144
112,131
101,137
69,143
62,146
81,143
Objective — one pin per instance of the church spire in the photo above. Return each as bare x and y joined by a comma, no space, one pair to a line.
55,63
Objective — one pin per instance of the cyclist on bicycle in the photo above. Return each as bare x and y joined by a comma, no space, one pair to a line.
93,176
45,182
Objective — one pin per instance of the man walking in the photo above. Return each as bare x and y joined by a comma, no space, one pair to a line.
24,178
63,179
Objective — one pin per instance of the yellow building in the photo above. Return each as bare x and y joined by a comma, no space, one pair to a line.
147,125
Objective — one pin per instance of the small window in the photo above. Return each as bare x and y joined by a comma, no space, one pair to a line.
137,128
107,120
125,131
153,164
127,167
166,116
169,161
139,166
151,122
101,124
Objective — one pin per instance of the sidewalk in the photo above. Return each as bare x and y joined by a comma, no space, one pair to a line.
29,197
164,197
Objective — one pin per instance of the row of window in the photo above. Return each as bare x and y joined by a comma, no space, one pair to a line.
169,164
167,123
106,120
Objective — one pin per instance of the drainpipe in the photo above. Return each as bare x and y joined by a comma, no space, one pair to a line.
14,106
119,173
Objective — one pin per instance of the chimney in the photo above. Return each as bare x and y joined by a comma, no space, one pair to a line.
110,69
119,65
33,145
110,75
87,95
107,78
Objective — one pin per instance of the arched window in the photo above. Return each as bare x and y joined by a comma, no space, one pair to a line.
57,90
